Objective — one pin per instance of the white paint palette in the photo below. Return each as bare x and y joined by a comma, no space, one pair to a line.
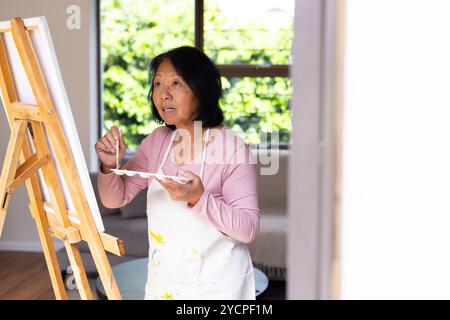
147,175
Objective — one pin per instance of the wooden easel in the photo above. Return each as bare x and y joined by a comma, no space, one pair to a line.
52,219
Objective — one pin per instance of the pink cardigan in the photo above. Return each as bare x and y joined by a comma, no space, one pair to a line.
229,201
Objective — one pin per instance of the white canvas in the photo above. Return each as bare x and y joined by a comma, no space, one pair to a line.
46,55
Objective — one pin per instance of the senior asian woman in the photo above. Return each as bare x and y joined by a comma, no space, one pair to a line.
198,232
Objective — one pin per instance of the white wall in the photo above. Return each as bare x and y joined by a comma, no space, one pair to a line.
75,50
396,160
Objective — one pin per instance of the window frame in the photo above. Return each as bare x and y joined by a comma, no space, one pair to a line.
226,70
236,70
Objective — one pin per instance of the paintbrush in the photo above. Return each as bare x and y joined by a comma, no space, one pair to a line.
117,154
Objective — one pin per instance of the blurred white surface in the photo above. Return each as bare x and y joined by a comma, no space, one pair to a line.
396,155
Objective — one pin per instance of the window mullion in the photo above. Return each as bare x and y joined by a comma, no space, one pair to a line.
248,70
199,24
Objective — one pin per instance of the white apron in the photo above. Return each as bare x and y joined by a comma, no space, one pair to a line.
188,257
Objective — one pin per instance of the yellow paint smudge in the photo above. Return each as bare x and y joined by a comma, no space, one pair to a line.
168,296
158,237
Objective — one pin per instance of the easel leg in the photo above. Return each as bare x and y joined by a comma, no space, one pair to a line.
104,269
10,166
49,253
78,271
18,146
56,195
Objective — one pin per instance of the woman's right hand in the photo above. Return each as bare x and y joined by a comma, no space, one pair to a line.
106,149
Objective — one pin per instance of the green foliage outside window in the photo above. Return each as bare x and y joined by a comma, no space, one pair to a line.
134,31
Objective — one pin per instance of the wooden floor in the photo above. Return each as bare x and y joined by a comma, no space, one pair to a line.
24,276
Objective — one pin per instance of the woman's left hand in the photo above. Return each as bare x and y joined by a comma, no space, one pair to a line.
190,192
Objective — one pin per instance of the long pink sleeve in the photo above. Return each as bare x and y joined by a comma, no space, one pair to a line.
237,213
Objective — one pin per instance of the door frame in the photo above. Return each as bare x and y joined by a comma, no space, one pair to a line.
313,267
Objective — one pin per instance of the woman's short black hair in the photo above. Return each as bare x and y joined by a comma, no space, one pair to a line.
201,75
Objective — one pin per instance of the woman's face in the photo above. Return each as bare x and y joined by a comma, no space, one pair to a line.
174,100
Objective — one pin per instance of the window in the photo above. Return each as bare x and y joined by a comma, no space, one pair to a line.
250,45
